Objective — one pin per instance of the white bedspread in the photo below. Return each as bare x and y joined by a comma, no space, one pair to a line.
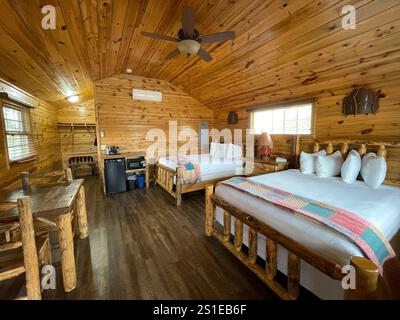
380,206
210,167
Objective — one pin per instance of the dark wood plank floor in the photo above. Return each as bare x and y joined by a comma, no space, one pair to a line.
141,246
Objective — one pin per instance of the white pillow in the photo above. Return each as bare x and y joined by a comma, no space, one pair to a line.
351,167
214,149
373,170
307,161
233,151
329,166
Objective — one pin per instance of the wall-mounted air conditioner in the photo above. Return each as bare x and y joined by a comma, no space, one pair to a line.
146,95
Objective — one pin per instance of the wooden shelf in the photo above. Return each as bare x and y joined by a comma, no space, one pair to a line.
136,170
76,125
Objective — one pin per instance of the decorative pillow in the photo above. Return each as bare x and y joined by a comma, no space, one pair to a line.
351,167
373,170
307,161
329,166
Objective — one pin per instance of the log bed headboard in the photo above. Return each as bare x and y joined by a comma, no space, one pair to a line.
389,150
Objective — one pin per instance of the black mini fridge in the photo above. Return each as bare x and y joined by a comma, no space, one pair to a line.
114,174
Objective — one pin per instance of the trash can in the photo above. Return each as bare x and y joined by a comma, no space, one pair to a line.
140,181
131,182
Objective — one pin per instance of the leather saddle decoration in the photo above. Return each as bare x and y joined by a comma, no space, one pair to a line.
361,101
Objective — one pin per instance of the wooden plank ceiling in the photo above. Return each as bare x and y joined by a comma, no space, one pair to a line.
283,48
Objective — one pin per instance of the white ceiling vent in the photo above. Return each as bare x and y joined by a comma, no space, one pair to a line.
146,95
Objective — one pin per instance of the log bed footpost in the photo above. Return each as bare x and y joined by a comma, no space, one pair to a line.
29,249
209,225
367,274
178,186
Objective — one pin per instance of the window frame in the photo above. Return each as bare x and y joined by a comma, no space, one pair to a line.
27,121
283,105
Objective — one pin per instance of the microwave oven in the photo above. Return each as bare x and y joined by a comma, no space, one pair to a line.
137,163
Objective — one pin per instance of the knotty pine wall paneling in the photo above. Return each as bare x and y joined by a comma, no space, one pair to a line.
78,141
125,121
44,128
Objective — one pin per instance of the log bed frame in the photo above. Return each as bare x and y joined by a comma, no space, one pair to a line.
366,271
171,181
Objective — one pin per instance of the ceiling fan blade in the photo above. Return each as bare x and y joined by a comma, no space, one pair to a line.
159,36
188,20
204,55
217,37
173,54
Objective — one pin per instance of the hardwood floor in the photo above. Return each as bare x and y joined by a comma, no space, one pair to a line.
141,246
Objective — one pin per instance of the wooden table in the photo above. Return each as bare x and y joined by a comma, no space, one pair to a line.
58,202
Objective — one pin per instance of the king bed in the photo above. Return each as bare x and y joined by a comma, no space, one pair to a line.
308,253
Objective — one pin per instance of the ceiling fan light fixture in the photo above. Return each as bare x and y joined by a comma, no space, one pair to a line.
189,47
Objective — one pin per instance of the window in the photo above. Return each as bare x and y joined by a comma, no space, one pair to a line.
290,119
17,130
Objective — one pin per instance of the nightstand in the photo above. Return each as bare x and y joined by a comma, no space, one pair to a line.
269,165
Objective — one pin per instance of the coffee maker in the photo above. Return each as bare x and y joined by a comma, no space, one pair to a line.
112,150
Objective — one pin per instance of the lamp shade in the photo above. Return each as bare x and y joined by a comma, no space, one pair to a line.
233,118
265,140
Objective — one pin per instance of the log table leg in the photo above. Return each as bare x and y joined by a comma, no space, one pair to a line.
82,215
66,242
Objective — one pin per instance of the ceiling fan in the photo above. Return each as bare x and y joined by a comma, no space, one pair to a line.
189,39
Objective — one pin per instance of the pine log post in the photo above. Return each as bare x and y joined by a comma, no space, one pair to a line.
271,262
344,149
227,226
68,175
252,245
82,214
362,150
367,274
66,243
293,280
329,149
238,235
178,189
382,152
147,173
209,211
29,249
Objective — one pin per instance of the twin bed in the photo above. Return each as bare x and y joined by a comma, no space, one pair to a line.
269,238
212,168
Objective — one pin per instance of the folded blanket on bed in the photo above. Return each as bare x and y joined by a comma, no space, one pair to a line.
190,170
354,227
